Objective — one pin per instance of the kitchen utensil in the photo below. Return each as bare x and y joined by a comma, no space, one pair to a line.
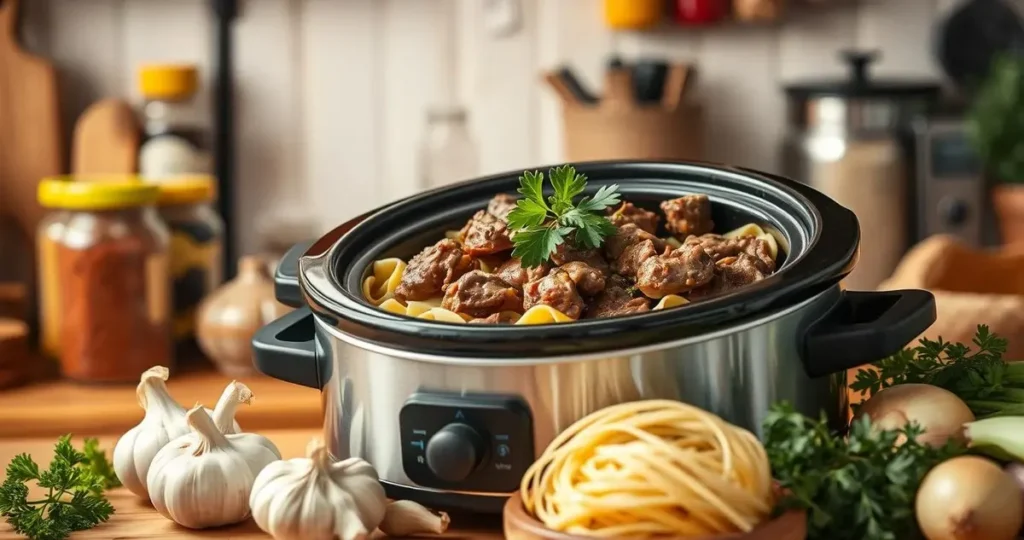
678,78
30,130
949,182
849,138
649,81
976,31
225,12
519,525
106,140
231,315
970,284
618,85
488,398
575,86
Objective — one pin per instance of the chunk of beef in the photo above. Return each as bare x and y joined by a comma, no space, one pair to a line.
627,235
479,294
504,317
589,280
433,269
615,300
675,272
485,234
720,247
514,274
567,253
557,290
731,273
627,213
501,205
690,214
633,257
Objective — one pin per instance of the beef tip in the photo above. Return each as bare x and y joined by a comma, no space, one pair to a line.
567,253
731,273
589,280
690,214
485,234
675,272
720,247
616,300
503,317
501,205
514,274
627,213
479,294
557,290
633,257
627,235
433,269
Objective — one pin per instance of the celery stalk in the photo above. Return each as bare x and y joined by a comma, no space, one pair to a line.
1001,436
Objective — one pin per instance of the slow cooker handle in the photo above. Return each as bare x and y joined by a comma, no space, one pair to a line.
864,327
286,349
286,276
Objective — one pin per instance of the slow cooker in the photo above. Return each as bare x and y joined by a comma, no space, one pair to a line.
451,415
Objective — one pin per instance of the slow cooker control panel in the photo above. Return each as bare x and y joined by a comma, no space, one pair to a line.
466,442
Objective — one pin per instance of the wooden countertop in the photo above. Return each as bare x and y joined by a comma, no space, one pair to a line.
136,519
53,408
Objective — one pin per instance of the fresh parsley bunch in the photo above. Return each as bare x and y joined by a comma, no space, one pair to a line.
74,484
540,224
982,378
861,487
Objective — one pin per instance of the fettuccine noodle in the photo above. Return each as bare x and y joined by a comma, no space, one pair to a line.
646,468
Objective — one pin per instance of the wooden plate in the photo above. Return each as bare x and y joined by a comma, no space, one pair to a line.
519,525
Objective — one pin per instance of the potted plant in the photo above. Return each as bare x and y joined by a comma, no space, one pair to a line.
996,123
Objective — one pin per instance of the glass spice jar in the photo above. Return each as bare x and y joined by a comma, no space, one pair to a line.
48,235
196,250
111,260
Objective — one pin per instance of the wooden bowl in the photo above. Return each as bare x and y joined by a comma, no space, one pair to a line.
519,525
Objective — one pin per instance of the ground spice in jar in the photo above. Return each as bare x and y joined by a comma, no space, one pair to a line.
112,274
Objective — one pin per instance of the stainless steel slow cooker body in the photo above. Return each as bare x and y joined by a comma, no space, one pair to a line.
452,415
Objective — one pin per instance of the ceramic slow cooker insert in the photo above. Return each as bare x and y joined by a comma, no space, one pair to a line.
451,415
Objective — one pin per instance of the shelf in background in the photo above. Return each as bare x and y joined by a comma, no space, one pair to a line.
52,408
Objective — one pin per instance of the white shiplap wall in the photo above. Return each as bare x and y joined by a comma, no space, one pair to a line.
332,93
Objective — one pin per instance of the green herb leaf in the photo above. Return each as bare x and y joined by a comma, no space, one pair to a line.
861,487
96,463
539,226
74,501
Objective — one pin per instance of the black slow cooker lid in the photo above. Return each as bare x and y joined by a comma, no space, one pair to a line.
859,83
823,239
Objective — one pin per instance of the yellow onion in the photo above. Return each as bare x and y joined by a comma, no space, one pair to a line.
969,498
939,412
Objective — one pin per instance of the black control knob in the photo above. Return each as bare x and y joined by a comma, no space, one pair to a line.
955,210
454,452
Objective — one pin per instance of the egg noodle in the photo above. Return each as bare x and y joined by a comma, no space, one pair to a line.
645,468
386,274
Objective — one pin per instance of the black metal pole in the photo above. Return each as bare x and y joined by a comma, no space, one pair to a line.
225,11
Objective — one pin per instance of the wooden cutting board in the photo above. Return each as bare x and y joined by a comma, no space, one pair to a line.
30,130
135,519
106,140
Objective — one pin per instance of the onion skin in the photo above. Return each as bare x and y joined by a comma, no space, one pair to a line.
969,498
939,412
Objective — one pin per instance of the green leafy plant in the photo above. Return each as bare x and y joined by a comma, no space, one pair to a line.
73,500
861,487
988,384
539,225
996,118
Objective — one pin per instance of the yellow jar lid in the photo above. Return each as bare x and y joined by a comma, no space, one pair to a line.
168,81
186,189
96,192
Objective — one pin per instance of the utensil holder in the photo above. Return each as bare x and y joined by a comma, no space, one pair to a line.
633,132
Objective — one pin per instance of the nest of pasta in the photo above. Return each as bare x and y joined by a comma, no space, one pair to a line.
656,260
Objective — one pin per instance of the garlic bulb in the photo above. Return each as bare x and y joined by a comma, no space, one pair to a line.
203,479
316,498
164,420
405,518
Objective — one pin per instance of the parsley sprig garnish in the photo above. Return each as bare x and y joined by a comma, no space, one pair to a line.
540,224
859,487
74,484
981,377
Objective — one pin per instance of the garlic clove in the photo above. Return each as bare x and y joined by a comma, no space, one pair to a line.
404,518
224,412
164,420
